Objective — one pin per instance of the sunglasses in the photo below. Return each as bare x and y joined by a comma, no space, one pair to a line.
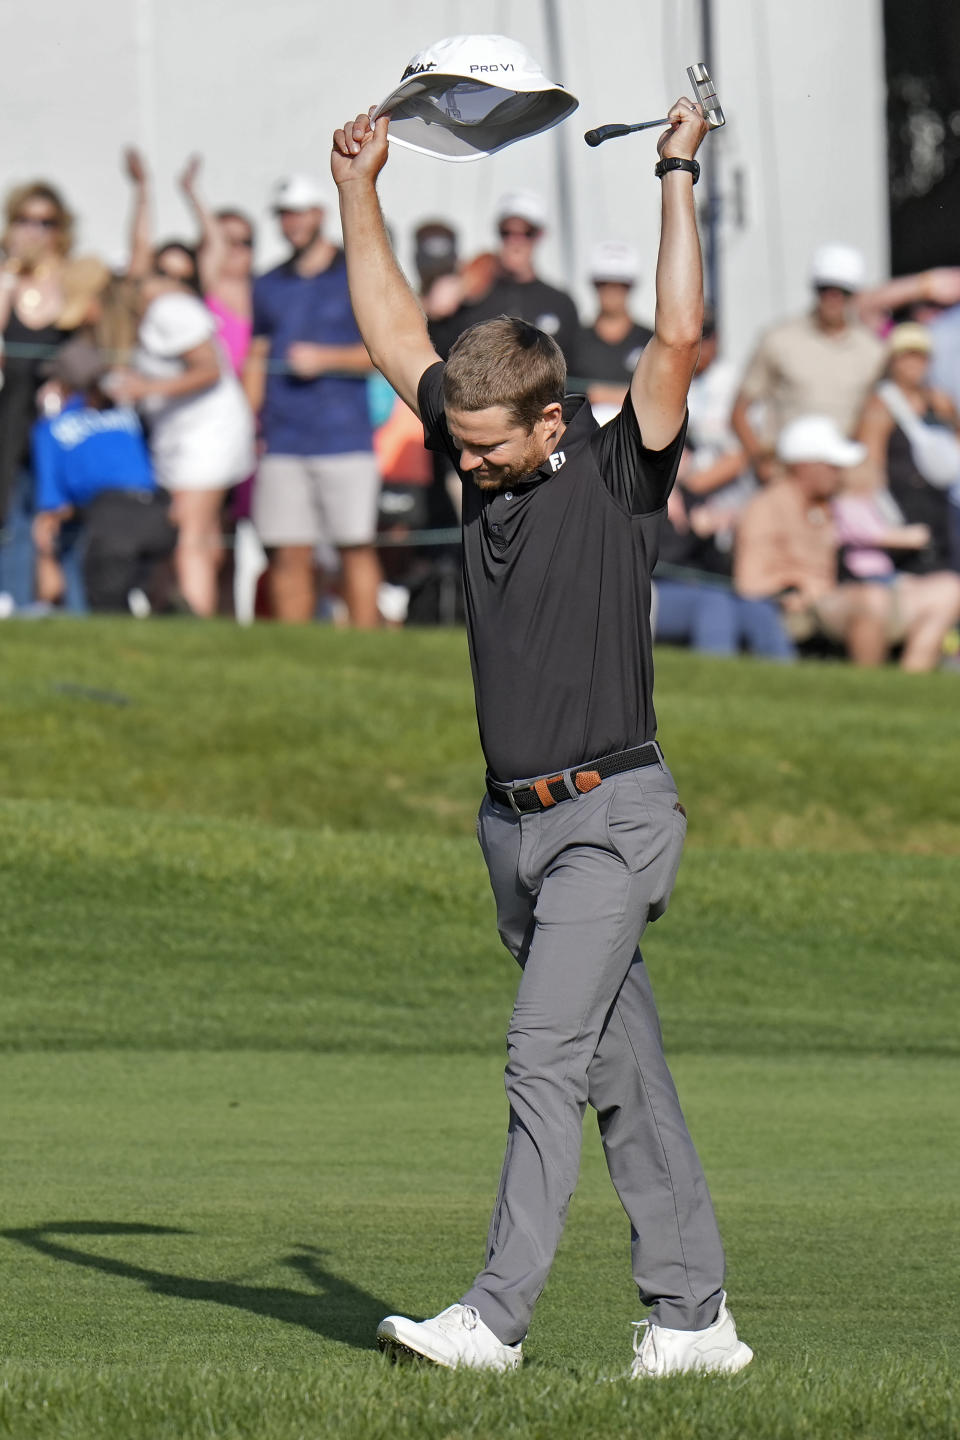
524,232
40,222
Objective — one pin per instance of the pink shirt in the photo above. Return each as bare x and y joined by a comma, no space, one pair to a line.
234,330
859,519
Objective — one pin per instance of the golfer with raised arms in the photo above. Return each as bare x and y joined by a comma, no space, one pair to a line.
581,827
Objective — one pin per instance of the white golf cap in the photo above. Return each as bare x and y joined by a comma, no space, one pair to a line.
614,261
840,266
521,205
298,192
470,95
818,439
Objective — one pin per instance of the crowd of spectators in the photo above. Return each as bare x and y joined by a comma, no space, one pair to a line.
182,435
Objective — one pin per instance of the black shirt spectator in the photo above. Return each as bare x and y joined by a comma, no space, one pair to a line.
610,361
26,350
608,350
509,285
903,410
541,304
920,504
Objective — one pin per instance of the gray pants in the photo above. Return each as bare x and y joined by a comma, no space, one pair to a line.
575,886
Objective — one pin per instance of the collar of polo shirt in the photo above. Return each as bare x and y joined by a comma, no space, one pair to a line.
579,425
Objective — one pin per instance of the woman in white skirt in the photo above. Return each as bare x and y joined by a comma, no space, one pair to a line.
200,426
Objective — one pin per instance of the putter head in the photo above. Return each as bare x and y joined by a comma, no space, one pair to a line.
706,94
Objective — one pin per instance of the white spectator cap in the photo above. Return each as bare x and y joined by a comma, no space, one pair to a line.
614,261
840,266
818,439
471,95
521,205
298,192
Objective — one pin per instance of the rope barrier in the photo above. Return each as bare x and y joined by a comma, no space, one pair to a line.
24,350
414,539
446,537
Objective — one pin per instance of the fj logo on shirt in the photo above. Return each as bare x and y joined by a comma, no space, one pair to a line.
556,460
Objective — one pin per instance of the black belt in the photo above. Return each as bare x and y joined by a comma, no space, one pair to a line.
544,793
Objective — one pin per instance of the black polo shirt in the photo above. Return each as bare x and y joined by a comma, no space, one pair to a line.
543,305
599,361
557,589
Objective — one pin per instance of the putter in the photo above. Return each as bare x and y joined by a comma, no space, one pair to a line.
703,88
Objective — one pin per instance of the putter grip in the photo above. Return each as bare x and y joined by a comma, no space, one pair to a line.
606,132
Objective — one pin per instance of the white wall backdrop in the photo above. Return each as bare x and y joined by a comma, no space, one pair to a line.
258,87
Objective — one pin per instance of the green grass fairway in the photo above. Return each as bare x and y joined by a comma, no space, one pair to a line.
252,1032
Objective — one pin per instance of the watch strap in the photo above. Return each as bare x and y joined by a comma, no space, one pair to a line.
676,162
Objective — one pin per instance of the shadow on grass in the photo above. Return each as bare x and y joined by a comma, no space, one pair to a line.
339,1310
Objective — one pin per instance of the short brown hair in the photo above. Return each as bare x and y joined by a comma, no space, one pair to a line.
41,190
505,362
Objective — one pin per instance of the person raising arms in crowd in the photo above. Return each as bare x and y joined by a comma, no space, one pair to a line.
225,263
176,259
225,271
581,828
116,327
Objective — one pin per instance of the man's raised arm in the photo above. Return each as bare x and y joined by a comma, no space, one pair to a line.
387,312
665,369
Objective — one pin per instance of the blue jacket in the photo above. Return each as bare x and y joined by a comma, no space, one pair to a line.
81,452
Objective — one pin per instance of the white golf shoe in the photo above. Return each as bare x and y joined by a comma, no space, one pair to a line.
659,1351
457,1336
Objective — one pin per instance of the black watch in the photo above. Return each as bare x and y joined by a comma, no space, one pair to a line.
675,162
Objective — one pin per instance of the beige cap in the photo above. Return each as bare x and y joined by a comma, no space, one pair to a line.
910,336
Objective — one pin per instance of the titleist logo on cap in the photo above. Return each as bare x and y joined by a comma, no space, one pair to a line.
420,69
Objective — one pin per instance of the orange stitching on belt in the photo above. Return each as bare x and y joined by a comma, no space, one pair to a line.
542,788
586,780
